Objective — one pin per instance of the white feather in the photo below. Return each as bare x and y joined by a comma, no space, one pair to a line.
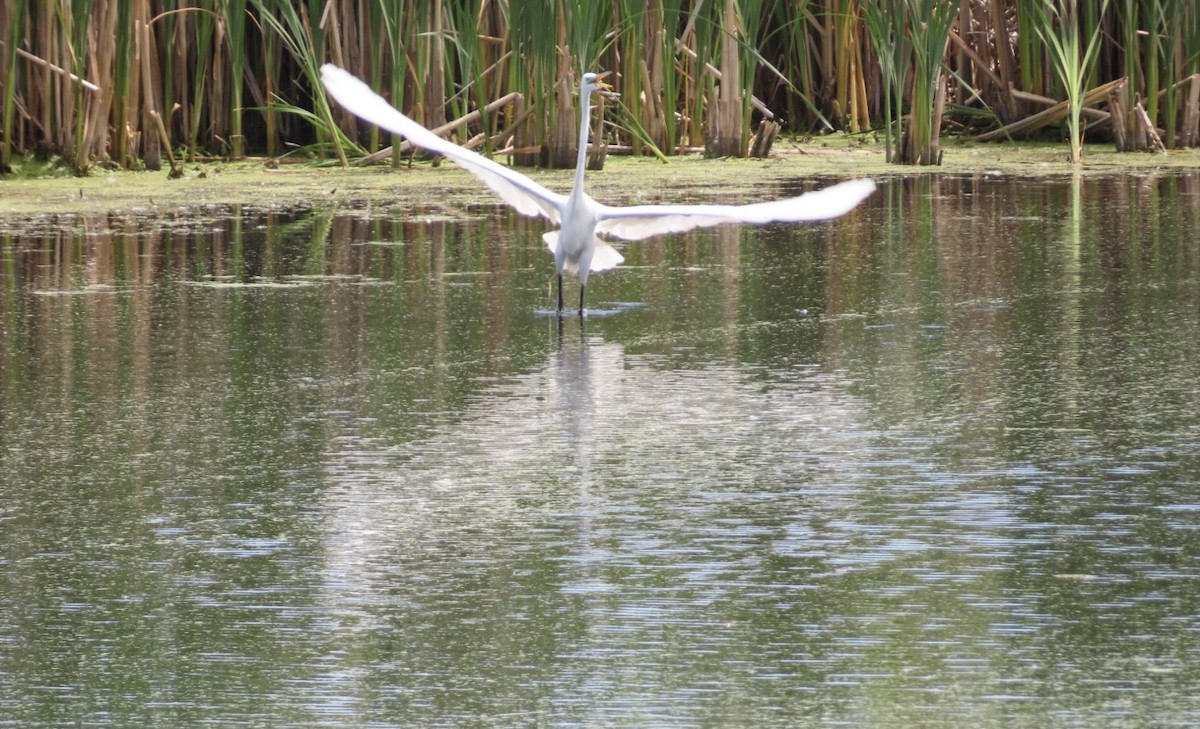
580,217
604,258
644,221
528,197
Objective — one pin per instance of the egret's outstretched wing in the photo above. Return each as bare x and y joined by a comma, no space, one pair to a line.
643,221
528,197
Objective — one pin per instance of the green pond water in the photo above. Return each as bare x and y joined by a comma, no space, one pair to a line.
936,464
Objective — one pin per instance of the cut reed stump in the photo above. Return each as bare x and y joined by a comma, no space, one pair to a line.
1190,107
1189,130
763,140
939,111
1133,132
1145,130
724,117
1120,119
176,171
596,154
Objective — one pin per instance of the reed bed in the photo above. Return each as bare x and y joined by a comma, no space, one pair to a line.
121,82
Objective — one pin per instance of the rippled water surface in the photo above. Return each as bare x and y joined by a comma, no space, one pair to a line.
935,464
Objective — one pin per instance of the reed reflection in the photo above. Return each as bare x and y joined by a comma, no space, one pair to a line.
943,449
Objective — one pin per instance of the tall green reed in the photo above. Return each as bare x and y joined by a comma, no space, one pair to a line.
794,41
429,60
1058,24
124,117
212,52
294,29
390,24
750,22
549,36
885,23
463,33
929,24
204,24
1131,38
1172,35
910,38
1030,56
642,31
1152,57
11,27
233,13
73,23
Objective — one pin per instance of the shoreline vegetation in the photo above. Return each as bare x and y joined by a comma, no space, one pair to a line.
443,190
107,85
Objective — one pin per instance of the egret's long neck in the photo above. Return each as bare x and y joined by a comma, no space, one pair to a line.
585,117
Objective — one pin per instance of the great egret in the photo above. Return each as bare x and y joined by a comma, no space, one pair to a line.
575,246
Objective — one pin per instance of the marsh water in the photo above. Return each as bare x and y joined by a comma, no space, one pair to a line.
934,464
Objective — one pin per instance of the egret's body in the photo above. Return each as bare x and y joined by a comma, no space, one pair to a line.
576,245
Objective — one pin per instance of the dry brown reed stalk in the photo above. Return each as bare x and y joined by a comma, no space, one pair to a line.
152,127
851,95
724,111
812,60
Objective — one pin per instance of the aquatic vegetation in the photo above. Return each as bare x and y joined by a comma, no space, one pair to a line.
1072,56
113,82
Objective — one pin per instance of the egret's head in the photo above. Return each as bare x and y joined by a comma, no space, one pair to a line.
593,82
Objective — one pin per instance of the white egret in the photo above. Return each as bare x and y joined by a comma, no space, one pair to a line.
575,246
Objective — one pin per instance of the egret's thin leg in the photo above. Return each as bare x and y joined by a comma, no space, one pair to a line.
560,295
581,287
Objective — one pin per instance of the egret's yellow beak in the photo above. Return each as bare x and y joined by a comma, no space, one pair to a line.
604,88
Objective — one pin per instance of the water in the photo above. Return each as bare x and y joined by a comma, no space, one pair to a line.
936,464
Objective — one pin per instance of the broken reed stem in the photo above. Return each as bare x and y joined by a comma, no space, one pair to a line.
1094,114
56,69
452,125
1189,131
668,55
1144,123
1053,115
1120,118
166,140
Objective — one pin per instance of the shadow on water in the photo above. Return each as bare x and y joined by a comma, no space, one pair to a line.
931,465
